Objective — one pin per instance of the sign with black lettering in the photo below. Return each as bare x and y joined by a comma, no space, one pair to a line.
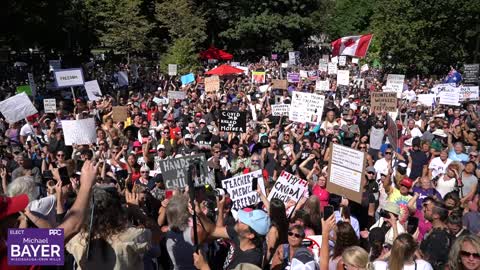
288,187
384,101
241,191
175,170
233,121
68,77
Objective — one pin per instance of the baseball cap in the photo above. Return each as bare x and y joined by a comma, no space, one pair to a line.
137,144
258,220
303,259
407,182
371,169
188,136
202,121
160,146
392,208
12,205
198,114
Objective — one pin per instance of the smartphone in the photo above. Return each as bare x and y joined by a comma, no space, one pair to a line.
168,194
79,165
327,212
63,172
254,184
412,225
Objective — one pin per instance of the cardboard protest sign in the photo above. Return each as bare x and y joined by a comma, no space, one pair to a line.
426,99
280,109
451,98
186,79
293,77
50,105
93,90
240,189
24,89
288,187
343,77
172,69
471,73
68,77
32,84
120,113
306,107
258,76
468,93
175,171
79,132
322,85
17,108
233,121
212,84
395,84
384,101
342,60
346,172
323,65
176,95
54,65
280,84
332,68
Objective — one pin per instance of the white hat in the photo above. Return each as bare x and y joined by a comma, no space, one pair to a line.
409,142
440,132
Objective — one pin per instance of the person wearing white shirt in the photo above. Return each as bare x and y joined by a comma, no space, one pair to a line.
412,130
439,164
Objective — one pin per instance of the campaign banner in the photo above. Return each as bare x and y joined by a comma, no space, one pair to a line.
395,84
54,65
346,172
17,108
233,121
471,73
32,84
24,89
293,77
280,109
332,68
322,85
468,93
176,95
188,78
342,60
119,113
93,90
288,187
175,171
280,84
426,99
258,77
241,191
172,69
383,101
68,77
79,132
306,107
312,75
50,105
343,77
323,65
212,84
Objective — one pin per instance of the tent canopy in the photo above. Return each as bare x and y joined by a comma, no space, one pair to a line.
215,53
224,70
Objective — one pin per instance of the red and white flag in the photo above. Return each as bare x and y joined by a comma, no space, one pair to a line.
353,45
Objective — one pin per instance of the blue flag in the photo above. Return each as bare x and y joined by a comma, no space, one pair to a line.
186,79
453,77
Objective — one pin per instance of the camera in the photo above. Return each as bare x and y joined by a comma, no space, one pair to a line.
219,192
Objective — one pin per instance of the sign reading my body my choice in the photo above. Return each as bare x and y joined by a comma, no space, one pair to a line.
233,121
35,247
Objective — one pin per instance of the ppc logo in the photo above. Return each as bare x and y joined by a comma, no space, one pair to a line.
55,232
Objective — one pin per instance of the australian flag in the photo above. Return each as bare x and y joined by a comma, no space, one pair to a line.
453,77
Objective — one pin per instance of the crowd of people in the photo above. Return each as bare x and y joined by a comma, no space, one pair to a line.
420,202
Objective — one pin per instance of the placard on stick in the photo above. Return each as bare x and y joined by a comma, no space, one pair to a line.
280,109
50,105
384,101
212,84
240,189
174,171
288,187
346,172
120,113
233,121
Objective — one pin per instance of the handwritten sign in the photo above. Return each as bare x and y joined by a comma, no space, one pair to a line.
322,85
212,84
175,170
17,108
395,84
50,105
120,113
306,107
343,77
79,132
172,69
280,109
384,101
233,121
288,187
280,84
93,90
342,60
176,95
240,189
68,77
332,68
451,98
323,65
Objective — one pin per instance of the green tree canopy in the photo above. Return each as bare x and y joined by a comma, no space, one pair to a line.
183,53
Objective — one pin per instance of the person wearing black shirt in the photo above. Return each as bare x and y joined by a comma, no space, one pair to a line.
419,160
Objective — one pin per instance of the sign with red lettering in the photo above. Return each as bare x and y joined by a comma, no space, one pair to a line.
288,187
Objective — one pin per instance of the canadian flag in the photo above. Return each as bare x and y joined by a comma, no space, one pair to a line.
353,45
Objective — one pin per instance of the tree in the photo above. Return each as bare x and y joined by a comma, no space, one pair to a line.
182,52
181,19
348,17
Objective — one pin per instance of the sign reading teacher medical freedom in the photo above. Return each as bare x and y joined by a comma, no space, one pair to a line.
240,189
68,77
175,170
35,247
233,121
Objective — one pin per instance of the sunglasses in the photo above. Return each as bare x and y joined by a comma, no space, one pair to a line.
60,155
143,172
362,147
388,153
296,235
284,159
464,253
255,160
216,152
473,156
334,141
370,173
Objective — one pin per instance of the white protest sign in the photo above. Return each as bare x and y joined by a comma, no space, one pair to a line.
322,65
284,65
343,77
332,68
306,107
291,58
342,60
68,77
163,101
346,172
322,85
468,93
93,90
451,98
335,59
354,60
439,88
288,187
264,88
303,74
240,189
176,95
395,84
50,105
172,69
364,68
17,108
280,109
426,99
79,132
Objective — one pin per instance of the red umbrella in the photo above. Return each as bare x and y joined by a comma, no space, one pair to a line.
215,53
224,70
